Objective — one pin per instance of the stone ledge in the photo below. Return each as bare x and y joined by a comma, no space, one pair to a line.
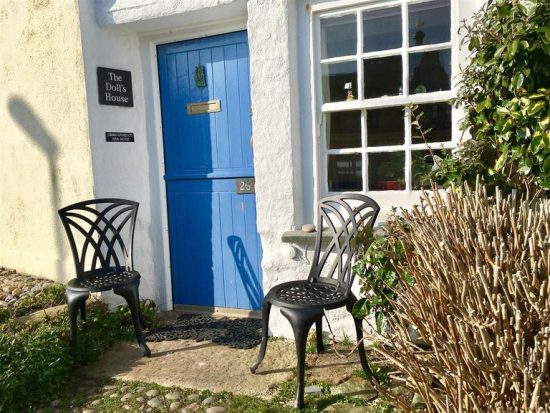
300,237
303,238
42,314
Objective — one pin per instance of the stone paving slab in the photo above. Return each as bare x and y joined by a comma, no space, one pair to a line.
208,366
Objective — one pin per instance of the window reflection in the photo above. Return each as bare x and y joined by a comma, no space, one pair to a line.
338,36
382,29
344,129
335,78
429,22
430,71
385,127
383,77
387,171
344,173
437,117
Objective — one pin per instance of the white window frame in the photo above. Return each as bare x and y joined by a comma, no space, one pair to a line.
321,152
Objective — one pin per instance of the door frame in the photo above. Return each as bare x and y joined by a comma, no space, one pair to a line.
153,115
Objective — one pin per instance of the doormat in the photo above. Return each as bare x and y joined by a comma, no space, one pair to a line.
241,333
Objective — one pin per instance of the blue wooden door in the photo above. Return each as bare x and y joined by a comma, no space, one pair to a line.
214,244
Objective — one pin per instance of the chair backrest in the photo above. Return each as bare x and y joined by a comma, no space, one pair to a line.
340,218
101,234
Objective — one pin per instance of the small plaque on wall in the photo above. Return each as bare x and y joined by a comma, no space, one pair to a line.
114,87
119,136
245,186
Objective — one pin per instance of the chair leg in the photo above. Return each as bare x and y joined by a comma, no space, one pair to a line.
75,301
301,322
144,324
130,294
319,336
266,309
361,346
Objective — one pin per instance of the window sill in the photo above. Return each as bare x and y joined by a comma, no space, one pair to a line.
300,237
303,238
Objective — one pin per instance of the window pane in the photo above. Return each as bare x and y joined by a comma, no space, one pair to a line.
429,22
344,173
382,29
335,77
339,36
386,171
430,71
422,164
383,77
436,116
385,127
344,129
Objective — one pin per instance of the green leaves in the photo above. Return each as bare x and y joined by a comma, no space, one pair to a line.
504,93
535,107
377,277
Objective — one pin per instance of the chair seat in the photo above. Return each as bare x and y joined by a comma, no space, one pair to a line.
300,294
103,281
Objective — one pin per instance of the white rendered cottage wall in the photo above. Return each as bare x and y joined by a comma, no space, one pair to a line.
45,160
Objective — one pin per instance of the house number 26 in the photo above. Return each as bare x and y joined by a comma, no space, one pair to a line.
245,185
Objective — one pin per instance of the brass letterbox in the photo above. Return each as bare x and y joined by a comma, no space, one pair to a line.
210,106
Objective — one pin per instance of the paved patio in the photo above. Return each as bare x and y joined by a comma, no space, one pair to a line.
208,366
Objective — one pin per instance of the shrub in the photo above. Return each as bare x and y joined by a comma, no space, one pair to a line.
504,92
480,301
376,274
36,361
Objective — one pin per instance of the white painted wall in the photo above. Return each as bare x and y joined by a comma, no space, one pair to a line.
45,160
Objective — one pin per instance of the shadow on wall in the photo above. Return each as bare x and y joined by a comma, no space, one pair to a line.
39,136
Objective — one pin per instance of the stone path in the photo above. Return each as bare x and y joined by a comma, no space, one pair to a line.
208,366
15,286
180,365
132,397
184,376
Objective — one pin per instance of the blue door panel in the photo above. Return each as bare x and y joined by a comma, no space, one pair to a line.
228,150
214,244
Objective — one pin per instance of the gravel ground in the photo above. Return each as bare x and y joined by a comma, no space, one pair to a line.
15,286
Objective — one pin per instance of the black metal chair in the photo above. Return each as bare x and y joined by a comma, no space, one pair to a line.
101,235
329,283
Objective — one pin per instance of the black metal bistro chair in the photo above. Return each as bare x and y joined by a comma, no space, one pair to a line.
101,235
329,283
